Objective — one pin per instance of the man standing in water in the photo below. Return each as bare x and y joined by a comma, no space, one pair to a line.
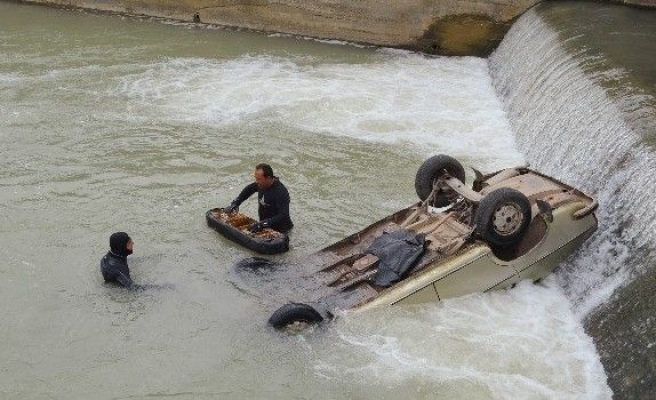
114,265
273,199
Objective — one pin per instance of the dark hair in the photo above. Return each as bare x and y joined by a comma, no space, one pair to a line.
266,168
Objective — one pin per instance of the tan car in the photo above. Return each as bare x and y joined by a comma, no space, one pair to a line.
513,224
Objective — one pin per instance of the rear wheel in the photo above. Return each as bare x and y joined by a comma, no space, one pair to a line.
296,315
503,217
433,169
254,264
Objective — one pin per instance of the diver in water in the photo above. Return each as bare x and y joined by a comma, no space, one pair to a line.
114,265
273,201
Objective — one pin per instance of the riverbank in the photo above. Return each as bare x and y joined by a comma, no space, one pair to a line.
447,27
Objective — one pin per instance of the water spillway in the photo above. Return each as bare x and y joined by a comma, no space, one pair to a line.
578,85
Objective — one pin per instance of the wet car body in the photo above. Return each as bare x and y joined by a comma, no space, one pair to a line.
512,225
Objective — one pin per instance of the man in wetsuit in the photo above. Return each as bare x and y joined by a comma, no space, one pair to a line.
114,265
273,199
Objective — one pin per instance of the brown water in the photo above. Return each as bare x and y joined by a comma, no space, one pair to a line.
108,124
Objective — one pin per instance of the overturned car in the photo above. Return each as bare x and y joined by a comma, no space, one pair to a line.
511,225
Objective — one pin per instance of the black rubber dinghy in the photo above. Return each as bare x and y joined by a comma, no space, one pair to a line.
235,228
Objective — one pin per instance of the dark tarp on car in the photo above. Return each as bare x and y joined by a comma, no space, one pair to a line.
398,253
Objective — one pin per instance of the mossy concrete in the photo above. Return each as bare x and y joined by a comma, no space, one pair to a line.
455,35
624,333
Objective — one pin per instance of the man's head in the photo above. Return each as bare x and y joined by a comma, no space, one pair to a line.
121,244
263,176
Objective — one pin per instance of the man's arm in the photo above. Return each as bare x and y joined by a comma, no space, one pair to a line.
245,194
124,280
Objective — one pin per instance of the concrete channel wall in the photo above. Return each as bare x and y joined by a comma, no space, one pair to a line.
446,27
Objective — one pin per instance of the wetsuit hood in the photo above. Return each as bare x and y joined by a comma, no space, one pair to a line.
118,243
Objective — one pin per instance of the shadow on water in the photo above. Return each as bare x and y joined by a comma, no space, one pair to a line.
277,283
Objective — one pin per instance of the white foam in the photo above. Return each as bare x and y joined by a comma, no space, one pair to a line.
319,40
439,105
570,128
498,344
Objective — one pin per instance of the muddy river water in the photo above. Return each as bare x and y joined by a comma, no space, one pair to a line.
118,124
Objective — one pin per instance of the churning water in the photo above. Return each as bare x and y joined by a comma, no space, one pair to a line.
108,124
579,84
590,120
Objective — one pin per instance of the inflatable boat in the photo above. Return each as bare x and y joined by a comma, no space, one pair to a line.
235,227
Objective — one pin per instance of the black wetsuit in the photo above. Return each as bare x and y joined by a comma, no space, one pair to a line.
114,268
273,204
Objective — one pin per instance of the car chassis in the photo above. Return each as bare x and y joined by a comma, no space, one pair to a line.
511,225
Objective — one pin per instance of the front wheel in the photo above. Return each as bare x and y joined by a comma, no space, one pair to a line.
503,217
294,314
428,174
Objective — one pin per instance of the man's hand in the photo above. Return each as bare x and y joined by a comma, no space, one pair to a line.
232,208
258,226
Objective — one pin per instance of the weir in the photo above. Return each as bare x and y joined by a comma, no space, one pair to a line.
579,117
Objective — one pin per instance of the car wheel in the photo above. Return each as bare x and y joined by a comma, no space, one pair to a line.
294,313
430,171
254,264
503,217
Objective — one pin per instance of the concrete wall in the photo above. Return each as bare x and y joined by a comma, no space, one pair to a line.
447,27
623,330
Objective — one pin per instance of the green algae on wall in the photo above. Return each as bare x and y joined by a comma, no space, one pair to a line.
460,35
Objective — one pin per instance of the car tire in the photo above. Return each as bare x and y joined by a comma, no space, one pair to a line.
503,217
431,170
254,264
294,312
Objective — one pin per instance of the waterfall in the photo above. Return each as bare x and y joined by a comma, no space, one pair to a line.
569,124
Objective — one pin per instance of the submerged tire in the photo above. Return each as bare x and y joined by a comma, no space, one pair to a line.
503,217
430,171
254,264
294,312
